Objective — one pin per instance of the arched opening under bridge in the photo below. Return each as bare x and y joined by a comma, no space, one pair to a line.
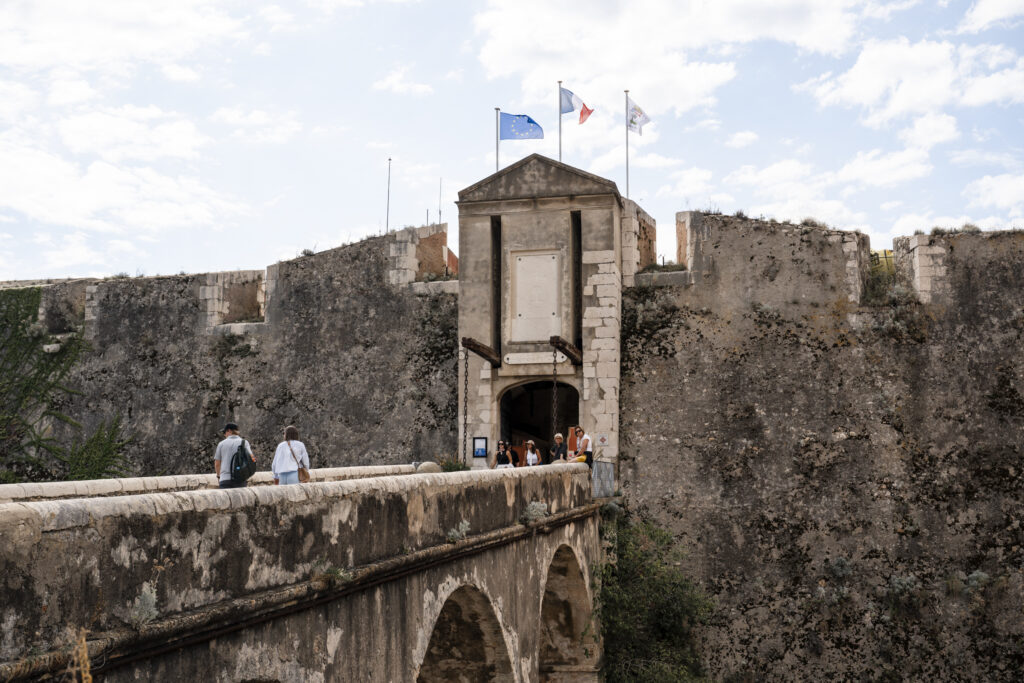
526,414
568,644
466,644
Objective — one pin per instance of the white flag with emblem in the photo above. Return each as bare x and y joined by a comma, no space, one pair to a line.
635,117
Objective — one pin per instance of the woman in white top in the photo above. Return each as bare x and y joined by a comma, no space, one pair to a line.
289,455
532,456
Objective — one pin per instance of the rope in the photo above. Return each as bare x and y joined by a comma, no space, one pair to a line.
465,403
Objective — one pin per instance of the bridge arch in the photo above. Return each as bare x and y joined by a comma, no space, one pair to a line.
565,615
466,643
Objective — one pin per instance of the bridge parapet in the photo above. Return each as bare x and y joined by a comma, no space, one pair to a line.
143,568
128,486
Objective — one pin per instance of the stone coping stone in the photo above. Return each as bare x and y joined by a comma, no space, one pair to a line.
56,515
674,278
183,482
435,287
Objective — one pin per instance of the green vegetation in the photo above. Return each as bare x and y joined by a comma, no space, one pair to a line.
647,606
98,457
452,464
33,368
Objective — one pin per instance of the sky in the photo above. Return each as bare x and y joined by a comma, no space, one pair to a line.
203,135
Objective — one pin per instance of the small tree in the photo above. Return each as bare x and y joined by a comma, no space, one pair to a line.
32,371
648,608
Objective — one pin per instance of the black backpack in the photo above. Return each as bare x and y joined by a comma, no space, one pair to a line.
243,465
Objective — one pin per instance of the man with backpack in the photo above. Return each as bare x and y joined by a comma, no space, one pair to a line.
233,462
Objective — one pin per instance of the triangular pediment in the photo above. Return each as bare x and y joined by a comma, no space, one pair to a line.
537,176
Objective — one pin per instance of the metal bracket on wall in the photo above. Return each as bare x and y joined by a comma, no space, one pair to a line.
482,350
570,350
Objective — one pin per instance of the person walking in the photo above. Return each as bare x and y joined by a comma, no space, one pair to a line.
559,451
532,456
225,451
502,458
289,458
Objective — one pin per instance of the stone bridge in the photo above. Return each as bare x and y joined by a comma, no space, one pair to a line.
364,574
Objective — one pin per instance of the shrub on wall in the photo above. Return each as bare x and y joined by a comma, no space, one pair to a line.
647,607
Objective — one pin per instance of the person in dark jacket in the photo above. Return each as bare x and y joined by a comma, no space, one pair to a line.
559,450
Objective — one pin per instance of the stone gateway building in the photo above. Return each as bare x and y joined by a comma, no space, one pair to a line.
839,449
545,251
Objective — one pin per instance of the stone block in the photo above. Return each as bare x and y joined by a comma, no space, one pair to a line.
602,279
605,343
606,332
588,290
589,370
598,256
611,290
592,322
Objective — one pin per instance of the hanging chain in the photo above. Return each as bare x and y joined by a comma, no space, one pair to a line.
465,403
554,394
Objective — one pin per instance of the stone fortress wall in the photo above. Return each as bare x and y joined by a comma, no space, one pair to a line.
845,468
362,369
843,464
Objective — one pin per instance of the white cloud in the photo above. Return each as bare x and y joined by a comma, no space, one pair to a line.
396,82
883,169
985,13
896,78
73,250
704,124
65,91
177,72
889,206
688,183
110,36
792,190
100,196
741,139
15,100
277,18
653,160
259,126
1005,191
130,132
930,130
874,9
977,157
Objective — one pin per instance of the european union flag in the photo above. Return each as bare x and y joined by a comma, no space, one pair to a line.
518,127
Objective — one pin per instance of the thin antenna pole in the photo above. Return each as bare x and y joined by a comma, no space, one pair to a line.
497,110
428,217
440,188
627,143
559,120
387,215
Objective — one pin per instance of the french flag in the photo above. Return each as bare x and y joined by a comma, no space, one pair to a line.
571,102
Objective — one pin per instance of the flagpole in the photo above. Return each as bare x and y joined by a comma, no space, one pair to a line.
497,110
627,143
559,120
387,213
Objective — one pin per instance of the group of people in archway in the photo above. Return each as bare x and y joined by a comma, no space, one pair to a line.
505,456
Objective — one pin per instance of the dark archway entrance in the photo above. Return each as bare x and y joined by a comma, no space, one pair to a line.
526,414
466,644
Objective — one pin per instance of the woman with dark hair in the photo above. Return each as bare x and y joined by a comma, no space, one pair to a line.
290,457
503,457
